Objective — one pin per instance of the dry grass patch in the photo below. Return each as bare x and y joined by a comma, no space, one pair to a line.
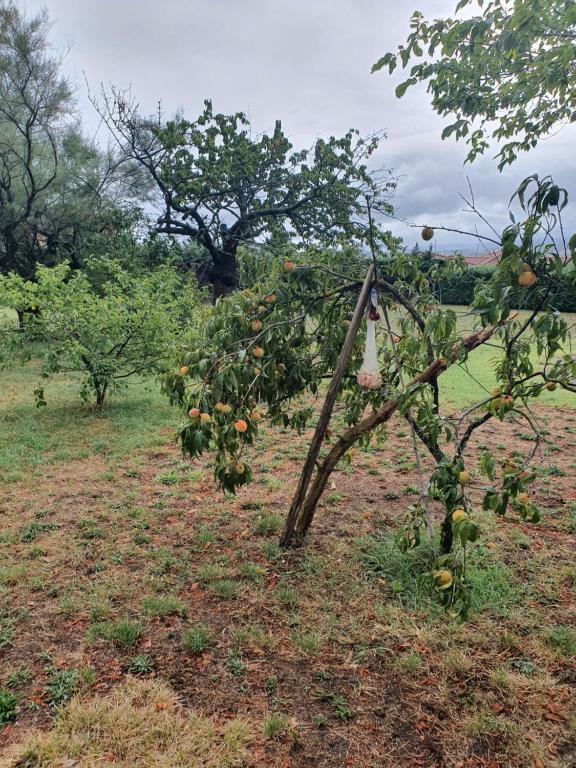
138,725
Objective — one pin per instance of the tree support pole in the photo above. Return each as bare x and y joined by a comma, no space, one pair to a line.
294,526
307,505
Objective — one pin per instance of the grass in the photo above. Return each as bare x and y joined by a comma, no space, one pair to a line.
163,605
124,633
402,574
8,706
142,723
140,416
461,388
564,639
119,559
276,726
66,429
64,683
196,639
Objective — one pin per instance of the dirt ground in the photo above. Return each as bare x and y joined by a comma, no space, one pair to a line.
333,657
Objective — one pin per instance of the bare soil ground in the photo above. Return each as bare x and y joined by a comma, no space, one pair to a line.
335,654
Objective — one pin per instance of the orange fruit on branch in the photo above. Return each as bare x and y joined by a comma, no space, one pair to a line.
527,276
240,425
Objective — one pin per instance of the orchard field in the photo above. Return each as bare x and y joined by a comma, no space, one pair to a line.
265,500
126,577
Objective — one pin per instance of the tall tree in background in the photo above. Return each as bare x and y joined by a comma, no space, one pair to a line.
222,187
92,198
35,102
505,74
56,187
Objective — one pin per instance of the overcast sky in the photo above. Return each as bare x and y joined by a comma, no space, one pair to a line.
308,63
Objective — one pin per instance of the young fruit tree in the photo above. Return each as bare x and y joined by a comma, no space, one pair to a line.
128,326
267,351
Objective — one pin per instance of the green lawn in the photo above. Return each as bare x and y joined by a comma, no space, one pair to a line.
140,416
462,385
137,416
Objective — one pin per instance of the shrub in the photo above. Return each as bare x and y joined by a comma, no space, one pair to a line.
460,289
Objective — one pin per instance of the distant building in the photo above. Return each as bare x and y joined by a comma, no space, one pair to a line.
473,260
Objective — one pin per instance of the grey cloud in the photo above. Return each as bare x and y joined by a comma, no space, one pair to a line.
306,62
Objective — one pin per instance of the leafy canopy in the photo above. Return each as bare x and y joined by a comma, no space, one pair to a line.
505,73
57,189
224,187
129,326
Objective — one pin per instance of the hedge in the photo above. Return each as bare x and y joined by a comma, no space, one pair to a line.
461,290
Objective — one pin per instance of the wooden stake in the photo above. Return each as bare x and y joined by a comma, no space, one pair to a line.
293,524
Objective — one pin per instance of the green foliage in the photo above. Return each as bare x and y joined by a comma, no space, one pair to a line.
196,639
8,706
505,74
64,683
129,326
58,190
459,289
140,665
224,187
339,704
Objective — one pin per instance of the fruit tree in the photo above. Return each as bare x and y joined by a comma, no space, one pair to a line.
267,351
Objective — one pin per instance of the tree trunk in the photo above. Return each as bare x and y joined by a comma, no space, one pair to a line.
9,261
224,274
446,535
301,524
100,390
326,413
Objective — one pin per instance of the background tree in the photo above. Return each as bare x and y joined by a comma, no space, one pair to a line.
92,200
35,102
57,188
223,188
505,74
